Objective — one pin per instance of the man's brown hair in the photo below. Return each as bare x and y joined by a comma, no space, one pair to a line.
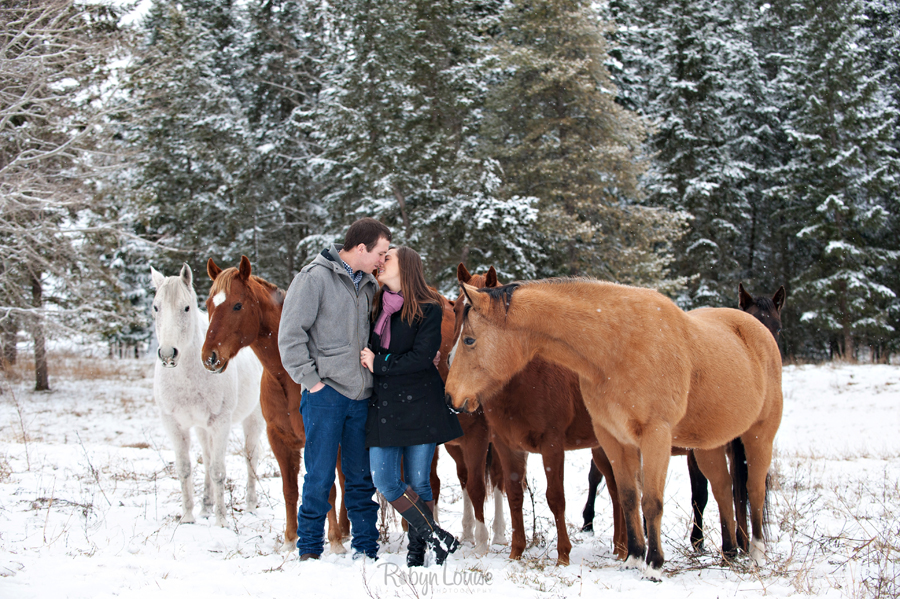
366,231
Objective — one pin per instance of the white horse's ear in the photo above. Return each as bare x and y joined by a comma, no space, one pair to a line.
156,278
187,277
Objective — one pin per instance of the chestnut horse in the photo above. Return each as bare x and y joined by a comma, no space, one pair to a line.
245,310
768,312
552,421
470,453
652,377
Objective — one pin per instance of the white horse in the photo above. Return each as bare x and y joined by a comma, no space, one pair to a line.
188,395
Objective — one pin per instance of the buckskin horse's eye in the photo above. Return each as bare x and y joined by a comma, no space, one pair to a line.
237,306
469,341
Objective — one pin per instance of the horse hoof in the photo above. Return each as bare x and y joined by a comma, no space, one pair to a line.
562,561
653,574
187,518
758,552
633,563
338,548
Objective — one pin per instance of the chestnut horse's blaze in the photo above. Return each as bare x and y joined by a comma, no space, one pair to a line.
245,310
652,377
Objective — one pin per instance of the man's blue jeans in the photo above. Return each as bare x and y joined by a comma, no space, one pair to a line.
385,463
333,420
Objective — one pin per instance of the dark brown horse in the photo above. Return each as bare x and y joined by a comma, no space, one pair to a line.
768,312
550,422
652,377
245,311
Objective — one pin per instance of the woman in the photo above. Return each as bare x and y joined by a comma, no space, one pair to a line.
407,416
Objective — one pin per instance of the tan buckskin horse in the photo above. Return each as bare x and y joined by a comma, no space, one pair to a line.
245,310
553,420
652,377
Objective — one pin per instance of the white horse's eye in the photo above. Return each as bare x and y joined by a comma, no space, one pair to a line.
187,309
156,308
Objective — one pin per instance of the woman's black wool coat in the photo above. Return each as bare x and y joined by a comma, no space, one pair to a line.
407,406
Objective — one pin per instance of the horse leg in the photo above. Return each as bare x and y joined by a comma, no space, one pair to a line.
181,442
626,467
468,516
289,463
594,480
758,447
495,472
343,518
656,449
335,529
207,501
514,464
601,464
554,467
435,482
475,452
252,426
714,466
699,499
218,443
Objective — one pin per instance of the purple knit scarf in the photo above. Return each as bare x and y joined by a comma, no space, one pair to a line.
390,303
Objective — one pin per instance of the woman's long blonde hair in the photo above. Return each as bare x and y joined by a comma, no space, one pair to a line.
412,285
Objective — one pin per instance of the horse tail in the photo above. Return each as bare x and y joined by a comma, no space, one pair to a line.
739,477
766,513
493,471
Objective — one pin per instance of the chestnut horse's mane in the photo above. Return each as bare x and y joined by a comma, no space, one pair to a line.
223,283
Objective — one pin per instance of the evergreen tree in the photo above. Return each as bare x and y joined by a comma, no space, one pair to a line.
844,170
555,127
398,120
191,134
281,74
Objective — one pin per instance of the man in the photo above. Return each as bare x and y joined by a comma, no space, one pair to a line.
324,327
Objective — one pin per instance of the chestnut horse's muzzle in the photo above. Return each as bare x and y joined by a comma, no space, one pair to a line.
463,409
214,364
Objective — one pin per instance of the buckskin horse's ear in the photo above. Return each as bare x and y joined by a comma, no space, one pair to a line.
778,299
462,273
745,300
244,268
212,269
478,300
491,279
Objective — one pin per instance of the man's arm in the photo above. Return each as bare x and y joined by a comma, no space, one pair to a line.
301,307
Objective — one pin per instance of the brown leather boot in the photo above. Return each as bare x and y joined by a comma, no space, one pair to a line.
421,520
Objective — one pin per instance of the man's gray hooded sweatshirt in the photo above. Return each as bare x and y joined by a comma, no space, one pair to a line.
325,326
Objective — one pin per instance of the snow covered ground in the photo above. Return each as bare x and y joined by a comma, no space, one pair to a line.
89,508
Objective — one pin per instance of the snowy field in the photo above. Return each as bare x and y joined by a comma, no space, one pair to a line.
89,508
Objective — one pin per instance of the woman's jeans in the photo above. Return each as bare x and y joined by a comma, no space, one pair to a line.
385,464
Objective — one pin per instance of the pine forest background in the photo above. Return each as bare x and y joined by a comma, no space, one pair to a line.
682,145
